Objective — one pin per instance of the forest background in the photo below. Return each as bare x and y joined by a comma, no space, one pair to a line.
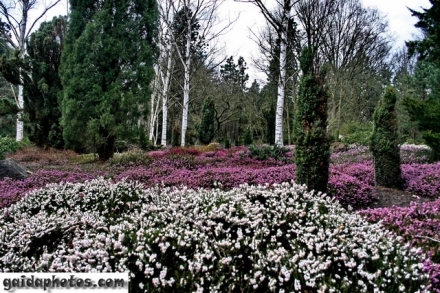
184,66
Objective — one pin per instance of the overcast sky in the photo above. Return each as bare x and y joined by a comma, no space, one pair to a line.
238,40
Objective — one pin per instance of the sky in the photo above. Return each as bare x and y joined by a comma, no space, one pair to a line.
238,41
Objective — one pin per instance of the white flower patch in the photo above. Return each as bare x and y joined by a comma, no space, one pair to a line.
277,238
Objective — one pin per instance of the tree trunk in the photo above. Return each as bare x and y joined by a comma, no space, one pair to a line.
281,82
19,130
166,86
106,150
154,111
185,105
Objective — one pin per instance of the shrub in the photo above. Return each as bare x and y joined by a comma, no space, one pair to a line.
356,133
264,152
253,238
131,158
247,138
384,142
206,129
7,145
227,143
312,147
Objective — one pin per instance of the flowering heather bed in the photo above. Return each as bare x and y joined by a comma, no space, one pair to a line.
351,183
249,239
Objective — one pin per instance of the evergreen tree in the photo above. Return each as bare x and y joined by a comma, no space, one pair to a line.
384,142
107,65
312,151
425,108
206,129
41,93
248,138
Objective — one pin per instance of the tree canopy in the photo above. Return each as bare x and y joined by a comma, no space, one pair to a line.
107,66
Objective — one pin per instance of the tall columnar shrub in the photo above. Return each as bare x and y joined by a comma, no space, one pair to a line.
206,128
312,151
248,138
384,142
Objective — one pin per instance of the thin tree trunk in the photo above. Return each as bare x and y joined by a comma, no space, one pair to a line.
281,83
166,86
20,105
154,111
186,84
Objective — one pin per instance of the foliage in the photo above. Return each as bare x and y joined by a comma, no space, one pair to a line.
418,225
312,151
206,128
248,137
227,143
107,63
384,142
276,152
356,133
255,238
130,158
7,145
44,49
428,48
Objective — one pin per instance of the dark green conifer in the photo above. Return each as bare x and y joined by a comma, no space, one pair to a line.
107,65
384,142
206,128
312,150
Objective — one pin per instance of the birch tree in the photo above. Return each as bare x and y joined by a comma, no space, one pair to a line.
16,15
279,20
191,11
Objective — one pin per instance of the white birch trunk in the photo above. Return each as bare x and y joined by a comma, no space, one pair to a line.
165,89
186,84
154,110
281,82
20,105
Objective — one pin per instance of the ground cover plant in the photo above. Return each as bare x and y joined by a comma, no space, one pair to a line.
252,238
351,182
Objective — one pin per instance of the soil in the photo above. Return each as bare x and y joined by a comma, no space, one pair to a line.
388,197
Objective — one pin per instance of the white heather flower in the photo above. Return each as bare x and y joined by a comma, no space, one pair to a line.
156,282
297,285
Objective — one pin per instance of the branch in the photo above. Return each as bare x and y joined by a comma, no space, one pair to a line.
429,238
46,9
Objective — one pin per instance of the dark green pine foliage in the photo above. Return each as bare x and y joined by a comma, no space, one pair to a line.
425,107
207,128
107,65
41,94
384,142
248,137
312,150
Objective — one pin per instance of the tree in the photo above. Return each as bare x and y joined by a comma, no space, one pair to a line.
44,48
193,19
279,20
312,151
107,65
19,26
206,128
425,108
384,142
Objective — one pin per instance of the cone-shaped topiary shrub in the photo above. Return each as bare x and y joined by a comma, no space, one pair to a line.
384,142
312,150
206,128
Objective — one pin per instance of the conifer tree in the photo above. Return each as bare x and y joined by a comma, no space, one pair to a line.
206,129
107,66
384,142
312,151
41,92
